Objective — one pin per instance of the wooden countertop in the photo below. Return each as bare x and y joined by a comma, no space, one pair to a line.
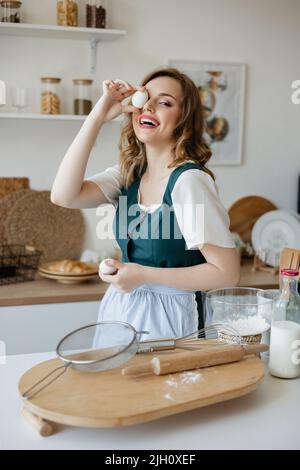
257,279
47,291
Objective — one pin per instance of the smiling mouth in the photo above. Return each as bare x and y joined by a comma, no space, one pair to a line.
145,123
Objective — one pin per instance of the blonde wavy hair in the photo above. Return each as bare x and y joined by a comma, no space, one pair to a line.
188,135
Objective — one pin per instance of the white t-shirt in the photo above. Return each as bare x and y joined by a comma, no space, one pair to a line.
193,189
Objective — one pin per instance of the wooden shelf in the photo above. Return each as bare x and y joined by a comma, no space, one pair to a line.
49,117
93,35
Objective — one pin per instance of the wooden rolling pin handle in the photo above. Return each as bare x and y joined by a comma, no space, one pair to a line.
143,368
43,427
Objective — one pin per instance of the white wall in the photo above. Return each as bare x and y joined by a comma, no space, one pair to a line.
263,34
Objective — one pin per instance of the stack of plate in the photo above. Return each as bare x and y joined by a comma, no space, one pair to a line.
46,270
273,232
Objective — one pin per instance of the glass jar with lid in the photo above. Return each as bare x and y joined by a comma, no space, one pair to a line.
83,102
10,11
50,95
95,13
67,13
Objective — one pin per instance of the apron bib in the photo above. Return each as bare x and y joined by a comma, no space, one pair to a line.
145,238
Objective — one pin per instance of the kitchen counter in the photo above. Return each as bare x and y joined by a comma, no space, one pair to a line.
47,291
265,419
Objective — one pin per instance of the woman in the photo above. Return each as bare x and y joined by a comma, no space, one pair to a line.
163,173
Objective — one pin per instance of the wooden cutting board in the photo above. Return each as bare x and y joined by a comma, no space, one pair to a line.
109,399
244,213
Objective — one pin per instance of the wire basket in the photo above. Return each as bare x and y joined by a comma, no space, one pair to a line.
18,263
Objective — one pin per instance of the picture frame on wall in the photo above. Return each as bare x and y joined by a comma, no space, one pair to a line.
221,86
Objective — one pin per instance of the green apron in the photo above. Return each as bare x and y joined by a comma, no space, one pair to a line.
145,239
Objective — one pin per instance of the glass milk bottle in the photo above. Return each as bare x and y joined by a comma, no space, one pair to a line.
285,329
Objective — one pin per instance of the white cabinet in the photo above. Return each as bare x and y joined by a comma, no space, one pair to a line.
38,328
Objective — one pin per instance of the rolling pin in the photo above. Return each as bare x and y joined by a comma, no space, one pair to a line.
188,360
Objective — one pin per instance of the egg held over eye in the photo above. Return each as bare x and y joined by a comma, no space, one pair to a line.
139,98
104,268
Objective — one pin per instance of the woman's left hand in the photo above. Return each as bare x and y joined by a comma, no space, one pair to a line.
128,277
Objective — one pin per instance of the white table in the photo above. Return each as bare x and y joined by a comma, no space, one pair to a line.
267,418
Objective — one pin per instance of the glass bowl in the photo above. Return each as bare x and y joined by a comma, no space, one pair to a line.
247,310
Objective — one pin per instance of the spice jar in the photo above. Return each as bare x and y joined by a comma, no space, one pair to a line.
95,14
82,96
50,99
67,13
11,11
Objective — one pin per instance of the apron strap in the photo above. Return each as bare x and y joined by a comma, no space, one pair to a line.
199,301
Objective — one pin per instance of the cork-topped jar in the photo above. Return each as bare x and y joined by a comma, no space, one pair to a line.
82,96
95,13
10,11
67,13
50,95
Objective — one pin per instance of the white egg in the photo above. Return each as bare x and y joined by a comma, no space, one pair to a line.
139,98
104,268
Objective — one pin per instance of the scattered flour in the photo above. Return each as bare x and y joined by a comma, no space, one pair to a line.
168,396
183,378
171,382
251,325
190,377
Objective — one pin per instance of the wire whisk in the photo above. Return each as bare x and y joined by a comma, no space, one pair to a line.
214,334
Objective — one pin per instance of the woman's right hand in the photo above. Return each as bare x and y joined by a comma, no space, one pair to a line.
114,92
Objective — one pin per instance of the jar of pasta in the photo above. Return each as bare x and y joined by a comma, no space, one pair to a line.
67,13
50,95
82,96
10,11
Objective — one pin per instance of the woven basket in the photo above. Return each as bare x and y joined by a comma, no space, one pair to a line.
18,263
9,185
33,220
6,204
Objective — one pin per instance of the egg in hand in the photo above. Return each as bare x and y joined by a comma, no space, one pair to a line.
104,268
139,98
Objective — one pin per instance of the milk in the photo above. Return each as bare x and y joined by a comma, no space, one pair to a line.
284,359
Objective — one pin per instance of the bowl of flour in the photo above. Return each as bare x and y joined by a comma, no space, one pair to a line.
248,310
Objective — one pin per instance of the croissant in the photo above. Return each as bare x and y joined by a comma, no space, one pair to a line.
67,266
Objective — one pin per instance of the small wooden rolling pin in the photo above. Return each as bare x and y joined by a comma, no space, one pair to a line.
188,360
